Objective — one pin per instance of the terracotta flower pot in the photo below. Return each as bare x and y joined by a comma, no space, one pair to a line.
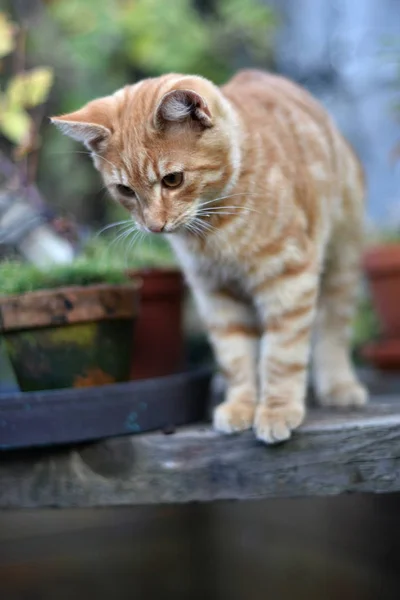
382,266
383,354
158,335
70,337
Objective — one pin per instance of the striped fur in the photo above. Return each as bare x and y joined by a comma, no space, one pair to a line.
267,225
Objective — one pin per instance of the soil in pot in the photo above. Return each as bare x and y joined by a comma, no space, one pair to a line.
70,337
158,336
382,266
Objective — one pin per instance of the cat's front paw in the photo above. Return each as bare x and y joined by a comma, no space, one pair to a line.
232,417
273,425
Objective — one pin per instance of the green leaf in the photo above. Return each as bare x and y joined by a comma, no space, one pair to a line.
31,88
15,124
6,35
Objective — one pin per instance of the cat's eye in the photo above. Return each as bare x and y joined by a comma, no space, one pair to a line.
125,190
173,180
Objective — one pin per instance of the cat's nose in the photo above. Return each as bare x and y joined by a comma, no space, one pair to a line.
156,228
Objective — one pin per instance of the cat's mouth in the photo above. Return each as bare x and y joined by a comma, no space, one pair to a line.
166,228
180,225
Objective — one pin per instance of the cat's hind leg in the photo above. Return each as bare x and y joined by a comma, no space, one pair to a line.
335,381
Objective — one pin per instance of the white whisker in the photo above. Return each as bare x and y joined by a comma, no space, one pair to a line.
122,236
223,207
206,203
217,212
87,154
118,223
136,237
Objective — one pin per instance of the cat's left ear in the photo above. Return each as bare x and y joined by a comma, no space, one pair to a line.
84,127
182,106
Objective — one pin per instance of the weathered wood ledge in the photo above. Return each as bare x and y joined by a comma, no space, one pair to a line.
333,453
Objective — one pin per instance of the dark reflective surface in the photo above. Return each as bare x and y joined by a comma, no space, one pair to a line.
345,548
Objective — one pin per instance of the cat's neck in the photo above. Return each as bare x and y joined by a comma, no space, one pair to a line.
233,128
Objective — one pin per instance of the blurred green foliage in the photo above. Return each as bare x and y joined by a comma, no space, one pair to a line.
121,40
366,326
173,36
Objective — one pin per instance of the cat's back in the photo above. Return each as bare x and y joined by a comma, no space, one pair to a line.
294,126
290,132
259,93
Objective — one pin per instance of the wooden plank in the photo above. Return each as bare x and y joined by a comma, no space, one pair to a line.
333,453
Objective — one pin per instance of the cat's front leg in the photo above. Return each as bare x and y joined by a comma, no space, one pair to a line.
234,335
287,306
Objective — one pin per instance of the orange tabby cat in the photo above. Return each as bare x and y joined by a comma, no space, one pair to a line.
262,201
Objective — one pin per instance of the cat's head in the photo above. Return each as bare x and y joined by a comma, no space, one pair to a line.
164,147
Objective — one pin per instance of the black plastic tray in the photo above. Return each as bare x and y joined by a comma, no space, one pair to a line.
77,415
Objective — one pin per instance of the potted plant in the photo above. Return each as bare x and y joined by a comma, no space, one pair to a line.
159,334
382,268
68,326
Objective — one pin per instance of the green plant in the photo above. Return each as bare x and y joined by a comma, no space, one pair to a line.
18,278
366,326
101,261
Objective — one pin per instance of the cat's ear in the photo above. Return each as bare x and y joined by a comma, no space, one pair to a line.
87,125
181,106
